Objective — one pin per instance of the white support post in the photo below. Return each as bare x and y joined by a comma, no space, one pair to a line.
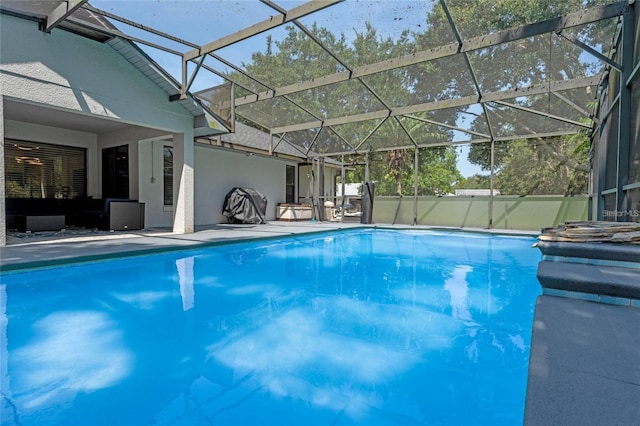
491,176
183,183
343,176
416,175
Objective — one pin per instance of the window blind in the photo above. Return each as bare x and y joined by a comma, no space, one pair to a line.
40,170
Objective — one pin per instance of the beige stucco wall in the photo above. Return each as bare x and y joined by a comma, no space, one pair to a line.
218,171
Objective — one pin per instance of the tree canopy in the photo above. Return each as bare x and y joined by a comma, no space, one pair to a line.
527,166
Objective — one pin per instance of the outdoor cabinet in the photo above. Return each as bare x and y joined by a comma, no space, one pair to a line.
117,214
290,212
125,215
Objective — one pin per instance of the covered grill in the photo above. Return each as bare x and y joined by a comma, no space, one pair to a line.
245,205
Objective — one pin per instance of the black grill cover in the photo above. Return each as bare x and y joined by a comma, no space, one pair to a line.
244,205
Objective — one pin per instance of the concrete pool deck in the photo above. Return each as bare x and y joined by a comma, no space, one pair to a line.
54,248
45,249
585,356
584,367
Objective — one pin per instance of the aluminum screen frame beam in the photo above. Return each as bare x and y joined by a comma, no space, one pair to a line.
573,105
543,114
336,58
406,131
60,13
199,62
624,117
535,89
476,43
117,33
462,46
273,22
590,50
448,126
465,55
569,20
307,32
139,26
268,24
467,142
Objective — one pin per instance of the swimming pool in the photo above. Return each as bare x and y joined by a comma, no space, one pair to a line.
356,327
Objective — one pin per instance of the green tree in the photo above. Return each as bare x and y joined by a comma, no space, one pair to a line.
297,58
437,172
546,168
476,181
533,60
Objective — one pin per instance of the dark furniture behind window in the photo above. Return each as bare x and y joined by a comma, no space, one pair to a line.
115,172
41,170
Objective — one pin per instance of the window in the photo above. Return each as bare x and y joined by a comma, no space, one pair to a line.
290,184
167,171
115,172
40,170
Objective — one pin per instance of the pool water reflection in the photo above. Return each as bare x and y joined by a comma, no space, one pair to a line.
356,327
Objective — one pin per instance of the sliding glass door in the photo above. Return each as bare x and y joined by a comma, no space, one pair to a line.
115,172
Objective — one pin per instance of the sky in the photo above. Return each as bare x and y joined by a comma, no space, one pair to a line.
204,21
464,166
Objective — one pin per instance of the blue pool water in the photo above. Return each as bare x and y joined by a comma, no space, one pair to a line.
370,327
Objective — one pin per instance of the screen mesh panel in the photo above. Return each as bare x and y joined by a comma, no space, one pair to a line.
634,158
337,100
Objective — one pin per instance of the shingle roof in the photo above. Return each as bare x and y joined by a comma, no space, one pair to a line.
253,138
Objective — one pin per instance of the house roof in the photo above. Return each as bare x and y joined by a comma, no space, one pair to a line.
88,24
251,139
39,10
207,124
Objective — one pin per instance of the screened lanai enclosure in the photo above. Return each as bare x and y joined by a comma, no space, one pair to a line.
488,113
